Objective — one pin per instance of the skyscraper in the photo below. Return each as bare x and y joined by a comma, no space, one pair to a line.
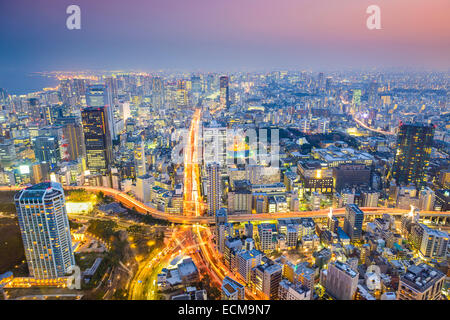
214,193
45,230
414,142
139,157
196,84
96,139
97,95
221,228
353,221
46,149
214,139
224,92
73,135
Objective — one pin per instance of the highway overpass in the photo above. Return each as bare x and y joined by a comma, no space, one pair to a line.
130,202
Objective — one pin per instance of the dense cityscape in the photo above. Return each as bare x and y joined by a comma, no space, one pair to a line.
280,185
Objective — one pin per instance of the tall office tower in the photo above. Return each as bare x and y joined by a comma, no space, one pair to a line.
35,110
210,83
353,221
111,84
232,290
97,141
46,149
139,157
73,134
182,99
224,92
97,95
320,78
214,143
79,89
214,192
341,280
196,84
157,92
221,229
414,142
65,90
421,282
328,83
44,226
266,279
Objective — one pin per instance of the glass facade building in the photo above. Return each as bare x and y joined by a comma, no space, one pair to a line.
97,141
45,230
414,142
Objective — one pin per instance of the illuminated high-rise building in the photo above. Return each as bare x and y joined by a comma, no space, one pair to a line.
98,95
73,135
221,228
353,222
46,149
414,142
182,98
224,92
210,78
45,231
214,143
97,141
214,193
157,92
139,157
196,84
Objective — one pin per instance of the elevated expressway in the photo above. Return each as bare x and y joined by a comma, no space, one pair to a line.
130,202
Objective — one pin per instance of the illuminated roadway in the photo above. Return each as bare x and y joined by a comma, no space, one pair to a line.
143,285
130,202
362,124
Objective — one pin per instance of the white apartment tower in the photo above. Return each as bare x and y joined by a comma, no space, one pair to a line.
45,230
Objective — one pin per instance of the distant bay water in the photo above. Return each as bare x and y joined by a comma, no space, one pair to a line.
25,82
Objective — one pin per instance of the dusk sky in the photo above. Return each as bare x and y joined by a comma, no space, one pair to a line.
221,35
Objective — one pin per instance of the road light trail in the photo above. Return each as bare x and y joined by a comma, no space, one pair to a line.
362,124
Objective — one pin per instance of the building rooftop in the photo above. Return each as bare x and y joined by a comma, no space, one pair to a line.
421,277
346,268
37,191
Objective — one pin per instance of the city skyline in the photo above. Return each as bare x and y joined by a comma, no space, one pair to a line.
219,36
225,150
